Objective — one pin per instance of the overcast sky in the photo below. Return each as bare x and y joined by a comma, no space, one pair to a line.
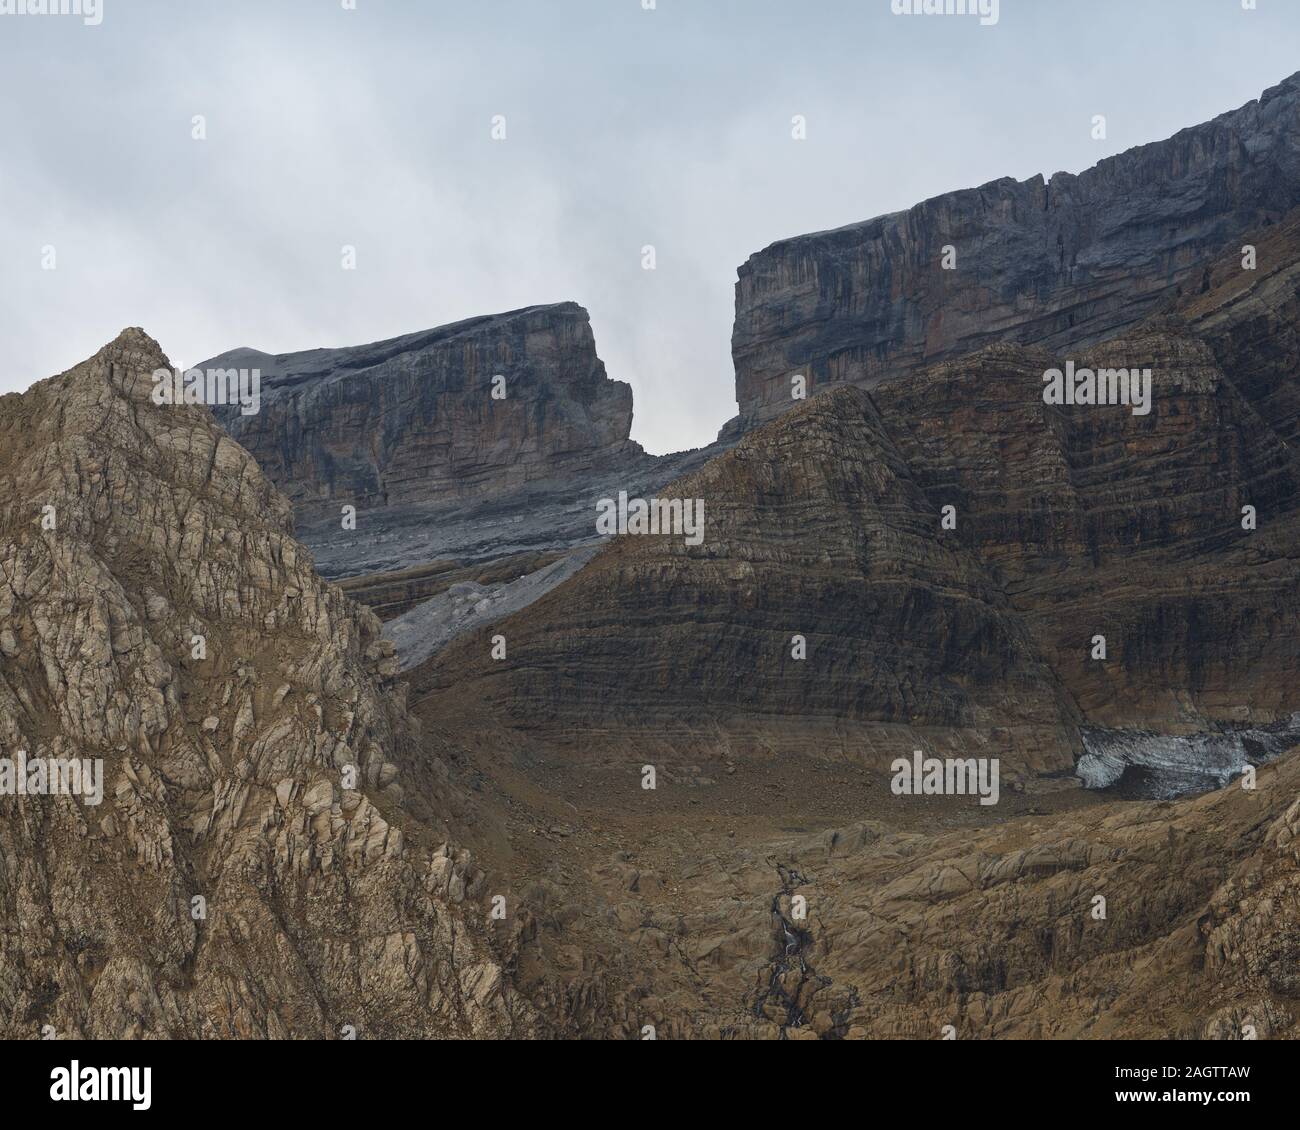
624,127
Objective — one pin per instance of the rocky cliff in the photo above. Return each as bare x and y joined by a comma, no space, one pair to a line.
271,854
1098,522
1058,262
1250,316
420,418
815,530
1099,566
442,473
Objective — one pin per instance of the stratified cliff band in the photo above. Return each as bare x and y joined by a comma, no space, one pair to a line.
1059,263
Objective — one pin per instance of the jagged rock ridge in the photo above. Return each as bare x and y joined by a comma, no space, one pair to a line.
257,753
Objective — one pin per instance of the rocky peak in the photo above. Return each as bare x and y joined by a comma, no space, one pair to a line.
269,855
420,419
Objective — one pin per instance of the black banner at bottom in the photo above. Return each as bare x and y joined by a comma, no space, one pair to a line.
343,1077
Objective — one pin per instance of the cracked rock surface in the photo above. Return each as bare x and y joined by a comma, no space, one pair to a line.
273,773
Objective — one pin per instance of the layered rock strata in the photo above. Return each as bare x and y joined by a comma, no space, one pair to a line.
966,563
454,413
1059,263
1248,311
823,601
439,470
1096,521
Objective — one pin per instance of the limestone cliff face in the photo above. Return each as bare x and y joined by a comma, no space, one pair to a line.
156,613
414,420
1057,262
814,528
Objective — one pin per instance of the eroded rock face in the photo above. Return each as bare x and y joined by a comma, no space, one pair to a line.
547,516
1098,522
1058,263
1250,316
814,528
156,613
1128,566
441,473
413,420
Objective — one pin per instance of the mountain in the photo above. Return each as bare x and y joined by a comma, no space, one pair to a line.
443,462
157,615
423,416
1070,524
814,528
646,783
1059,263
772,885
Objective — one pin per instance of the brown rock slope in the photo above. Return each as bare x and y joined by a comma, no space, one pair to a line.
996,931
1094,520
330,901
814,527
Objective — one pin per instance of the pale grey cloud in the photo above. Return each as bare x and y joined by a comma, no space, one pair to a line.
625,127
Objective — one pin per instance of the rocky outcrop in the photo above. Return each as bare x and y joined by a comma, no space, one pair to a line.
1248,311
421,418
442,474
1058,263
817,541
271,855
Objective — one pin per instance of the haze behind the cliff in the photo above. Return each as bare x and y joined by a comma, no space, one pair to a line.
624,127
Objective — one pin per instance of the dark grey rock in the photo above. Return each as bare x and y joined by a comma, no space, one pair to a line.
1061,262
413,420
